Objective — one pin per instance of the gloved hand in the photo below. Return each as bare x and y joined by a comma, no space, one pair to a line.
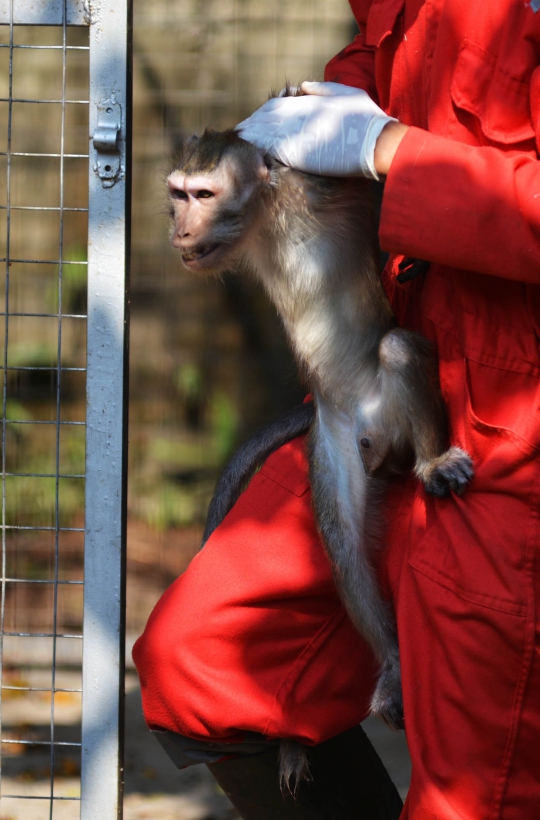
331,131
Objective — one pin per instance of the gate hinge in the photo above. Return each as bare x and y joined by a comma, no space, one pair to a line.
106,137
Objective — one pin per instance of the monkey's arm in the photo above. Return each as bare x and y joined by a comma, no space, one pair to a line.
249,456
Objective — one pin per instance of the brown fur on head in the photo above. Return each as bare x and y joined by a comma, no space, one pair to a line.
217,184
203,154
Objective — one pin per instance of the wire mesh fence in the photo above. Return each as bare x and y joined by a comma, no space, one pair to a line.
44,331
51,452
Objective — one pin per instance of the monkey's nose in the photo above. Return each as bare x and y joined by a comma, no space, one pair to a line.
177,239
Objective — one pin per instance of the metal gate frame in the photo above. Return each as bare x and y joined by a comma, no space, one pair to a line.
106,420
109,22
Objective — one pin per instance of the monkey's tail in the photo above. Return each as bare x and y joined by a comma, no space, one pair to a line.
249,456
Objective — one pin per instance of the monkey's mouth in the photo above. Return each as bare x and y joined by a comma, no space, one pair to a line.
191,257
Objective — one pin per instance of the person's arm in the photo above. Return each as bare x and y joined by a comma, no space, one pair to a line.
474,208
354,66
387,145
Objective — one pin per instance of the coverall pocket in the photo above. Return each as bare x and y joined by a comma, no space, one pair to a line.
479,546
502,404
499,104
478,558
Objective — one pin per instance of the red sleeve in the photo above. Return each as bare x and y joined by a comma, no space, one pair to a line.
468,207
355,65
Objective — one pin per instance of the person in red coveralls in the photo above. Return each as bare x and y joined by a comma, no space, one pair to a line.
251,644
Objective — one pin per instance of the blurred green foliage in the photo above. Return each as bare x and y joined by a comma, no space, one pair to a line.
36,458
178,468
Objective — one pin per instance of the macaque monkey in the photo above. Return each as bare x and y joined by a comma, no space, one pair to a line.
377,410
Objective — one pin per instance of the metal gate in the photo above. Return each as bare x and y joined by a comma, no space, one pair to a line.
64,189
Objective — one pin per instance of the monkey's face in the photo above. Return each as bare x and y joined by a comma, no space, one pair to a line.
213,209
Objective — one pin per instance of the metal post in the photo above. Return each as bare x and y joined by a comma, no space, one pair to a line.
108,241
108,248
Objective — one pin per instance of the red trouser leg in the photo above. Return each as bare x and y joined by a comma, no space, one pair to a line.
466,596
253,638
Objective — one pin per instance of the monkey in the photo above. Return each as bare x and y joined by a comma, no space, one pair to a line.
377,406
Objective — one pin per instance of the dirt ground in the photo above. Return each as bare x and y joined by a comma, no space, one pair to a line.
154,788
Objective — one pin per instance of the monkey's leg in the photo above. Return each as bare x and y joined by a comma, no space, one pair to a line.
249,456
413,405
342,501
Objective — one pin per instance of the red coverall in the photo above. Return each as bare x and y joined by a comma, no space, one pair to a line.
252,636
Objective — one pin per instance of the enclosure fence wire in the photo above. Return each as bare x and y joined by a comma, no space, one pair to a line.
13,367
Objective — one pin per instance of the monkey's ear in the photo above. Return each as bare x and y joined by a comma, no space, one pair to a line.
263,171
268,169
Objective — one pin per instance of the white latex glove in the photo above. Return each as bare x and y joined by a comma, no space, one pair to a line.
331,131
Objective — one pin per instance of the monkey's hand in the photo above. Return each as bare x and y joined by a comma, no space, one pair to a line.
453,470
330,131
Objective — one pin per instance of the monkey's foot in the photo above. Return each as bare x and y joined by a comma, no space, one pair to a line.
387,700
451,471
293,765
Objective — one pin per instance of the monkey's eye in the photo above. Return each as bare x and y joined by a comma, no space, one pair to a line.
204,194
176,193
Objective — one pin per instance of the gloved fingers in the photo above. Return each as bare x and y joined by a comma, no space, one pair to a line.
315,144
286,116
330,89
273,136
266,142
322,89
342,98
277,122
279,110
319,134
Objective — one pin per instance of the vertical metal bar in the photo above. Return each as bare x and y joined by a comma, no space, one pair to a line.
108,245
4,374
58,417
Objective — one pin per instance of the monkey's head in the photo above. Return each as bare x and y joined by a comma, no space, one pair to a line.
216,188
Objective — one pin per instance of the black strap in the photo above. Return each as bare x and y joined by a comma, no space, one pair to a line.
411,268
